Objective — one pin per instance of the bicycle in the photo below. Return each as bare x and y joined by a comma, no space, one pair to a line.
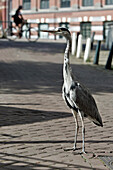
1,31
27,31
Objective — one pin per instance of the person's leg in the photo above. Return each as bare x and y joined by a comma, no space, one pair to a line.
20,30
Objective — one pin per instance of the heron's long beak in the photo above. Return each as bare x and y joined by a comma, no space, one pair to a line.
49,31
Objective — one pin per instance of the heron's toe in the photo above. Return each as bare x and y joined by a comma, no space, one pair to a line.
74,148
83,152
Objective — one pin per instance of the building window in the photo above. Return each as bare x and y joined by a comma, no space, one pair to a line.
87,2
26,4
85,29
65,3
64,24
109,2
106,28
44,4
44,26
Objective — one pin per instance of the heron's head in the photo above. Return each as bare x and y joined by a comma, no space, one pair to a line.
59,31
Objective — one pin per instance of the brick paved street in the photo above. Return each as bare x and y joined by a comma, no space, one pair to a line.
35,124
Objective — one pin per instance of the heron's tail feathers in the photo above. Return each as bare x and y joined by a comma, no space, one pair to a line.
98,121
98,124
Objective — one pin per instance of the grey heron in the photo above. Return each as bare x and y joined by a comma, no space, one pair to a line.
76,96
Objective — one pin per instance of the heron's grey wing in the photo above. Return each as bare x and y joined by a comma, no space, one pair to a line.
86,103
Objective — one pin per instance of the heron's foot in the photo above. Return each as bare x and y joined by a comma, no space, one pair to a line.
70,149
75,148
83,152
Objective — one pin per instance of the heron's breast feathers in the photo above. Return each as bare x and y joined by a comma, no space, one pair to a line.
69,95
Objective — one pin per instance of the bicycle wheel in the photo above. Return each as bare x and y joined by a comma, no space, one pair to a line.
32,34
10,35
1,32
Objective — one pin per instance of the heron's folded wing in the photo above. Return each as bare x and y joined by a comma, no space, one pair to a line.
86,103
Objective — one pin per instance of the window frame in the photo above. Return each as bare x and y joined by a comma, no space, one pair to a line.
42,5
65,3
41,34
108,3
84,3
85,33
106,28
28,6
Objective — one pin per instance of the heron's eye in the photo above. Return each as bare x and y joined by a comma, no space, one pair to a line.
66,60
59,30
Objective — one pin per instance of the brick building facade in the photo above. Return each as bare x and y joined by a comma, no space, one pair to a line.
3,11
85,16
0,10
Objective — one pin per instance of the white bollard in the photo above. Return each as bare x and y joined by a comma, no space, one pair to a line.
79,46
87,49
74,37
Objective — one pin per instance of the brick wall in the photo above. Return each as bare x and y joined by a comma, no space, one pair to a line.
0,14
15,4
96,14
3,12
0,10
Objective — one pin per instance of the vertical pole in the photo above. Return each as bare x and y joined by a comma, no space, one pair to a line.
18,2
79,46
9,8
87,49
4,13
74,43
101,3
109,60
92,40
78,4
96,59
36,5
55,2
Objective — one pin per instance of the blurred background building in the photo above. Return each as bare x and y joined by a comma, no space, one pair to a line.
80,16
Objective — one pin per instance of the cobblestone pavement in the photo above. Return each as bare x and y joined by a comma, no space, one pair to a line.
35,124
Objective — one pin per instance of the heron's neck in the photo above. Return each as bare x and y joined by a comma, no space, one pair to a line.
66,68
68,47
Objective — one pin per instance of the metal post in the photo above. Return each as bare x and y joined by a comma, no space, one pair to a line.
36,5
79,46
18,2
55,2
74,43
87,49
101,3
109,60
78,4
96,59
92,40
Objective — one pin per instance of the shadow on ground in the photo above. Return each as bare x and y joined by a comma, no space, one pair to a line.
25,77
28,77
37,163
34,46
16,116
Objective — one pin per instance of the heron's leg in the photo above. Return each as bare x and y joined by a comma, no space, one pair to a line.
83,132
76,128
